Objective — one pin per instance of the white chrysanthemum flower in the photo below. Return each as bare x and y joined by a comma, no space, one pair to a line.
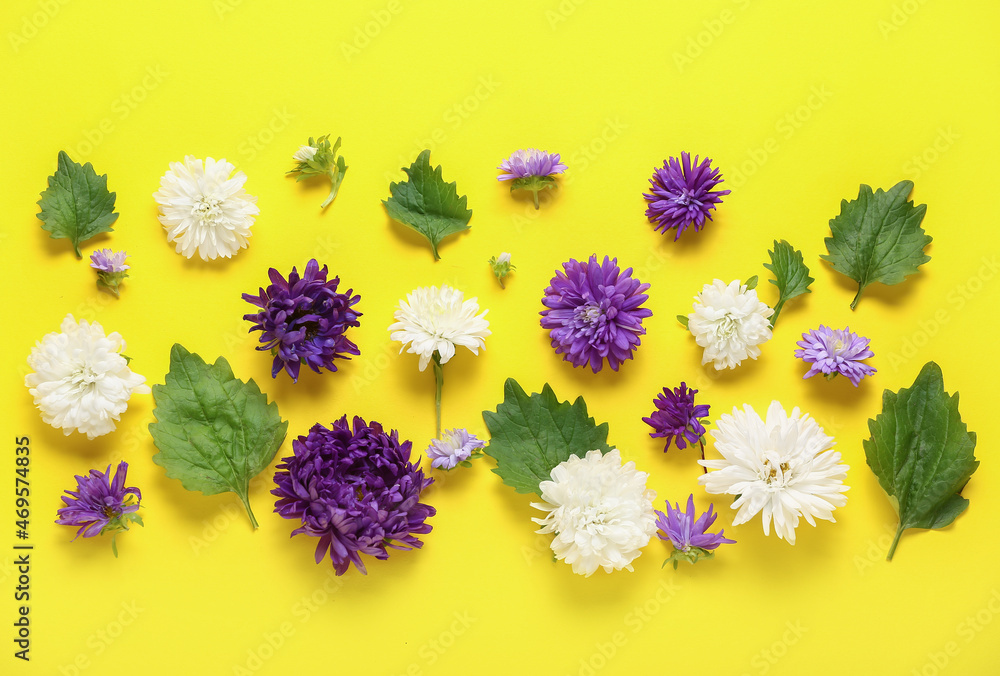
81,381
204,210
781,467
729,322
600,512
436,320
304,154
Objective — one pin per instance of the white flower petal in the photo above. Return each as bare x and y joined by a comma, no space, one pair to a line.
437,320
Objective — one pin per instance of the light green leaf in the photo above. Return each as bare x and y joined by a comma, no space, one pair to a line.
427,204
877,237
214,432
790,272
529,436
683,319
751,283
77,204
922,453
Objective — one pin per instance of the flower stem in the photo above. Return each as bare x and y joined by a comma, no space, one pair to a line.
534,194
895,541
777,311
245,498
438,381
704,469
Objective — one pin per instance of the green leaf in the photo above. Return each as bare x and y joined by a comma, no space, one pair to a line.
877,237
77,204
214,432
751,283
922,453
529,436
790,272
683,319
427,204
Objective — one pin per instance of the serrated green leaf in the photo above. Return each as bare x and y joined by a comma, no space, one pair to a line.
790,272
427,204
77,204
214,432
877,237
529,436
922,453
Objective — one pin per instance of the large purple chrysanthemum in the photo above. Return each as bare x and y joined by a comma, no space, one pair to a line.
356,490
595,313
688,532
303,320
832,351
677,417
101,504
682,194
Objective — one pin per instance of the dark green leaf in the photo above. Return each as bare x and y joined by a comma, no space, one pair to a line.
77,204
214,432
427,204
529,436
790,272
922,453
877,237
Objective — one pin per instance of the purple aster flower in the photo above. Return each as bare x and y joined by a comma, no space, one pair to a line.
688,534
677,417
455,447
835,351
595,313
531,169
101,504
354,489
303,320
110,266
682,194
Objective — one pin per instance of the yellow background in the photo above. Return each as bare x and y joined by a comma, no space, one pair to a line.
797,103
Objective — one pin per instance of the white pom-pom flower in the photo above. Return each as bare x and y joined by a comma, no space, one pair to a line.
81,381
436,320
599,511
204,208
781,467
729,321
304,154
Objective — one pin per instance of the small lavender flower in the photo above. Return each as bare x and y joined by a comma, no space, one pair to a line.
677,417
594,313
354,489
531,169
455,447
682,194
101,504
110,266
303,320
835,351
688,534
501,267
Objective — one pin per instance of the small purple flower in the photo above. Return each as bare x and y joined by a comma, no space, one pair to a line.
835,351
354,489
101,504
303,320
682,194
455,447
595,313
531,169
677,417
110,268
688,534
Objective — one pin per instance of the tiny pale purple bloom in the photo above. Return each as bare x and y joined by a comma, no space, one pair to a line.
830,352
106,260
677,417
530,162
688,532
454,447
101,504
683,194
594,313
